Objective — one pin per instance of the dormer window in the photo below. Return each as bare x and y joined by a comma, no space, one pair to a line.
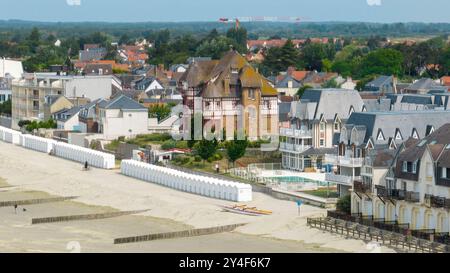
336,126
351,110
414,167
251,94
415,135
405,166
398,135
380,135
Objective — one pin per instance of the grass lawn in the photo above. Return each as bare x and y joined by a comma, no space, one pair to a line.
322,192
163,140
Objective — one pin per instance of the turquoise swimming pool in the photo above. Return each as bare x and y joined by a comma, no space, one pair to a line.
298,179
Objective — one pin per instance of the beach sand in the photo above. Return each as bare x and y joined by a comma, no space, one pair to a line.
34,174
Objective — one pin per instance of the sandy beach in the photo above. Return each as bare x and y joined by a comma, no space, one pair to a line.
31,174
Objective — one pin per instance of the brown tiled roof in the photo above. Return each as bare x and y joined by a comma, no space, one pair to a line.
232,67
299,75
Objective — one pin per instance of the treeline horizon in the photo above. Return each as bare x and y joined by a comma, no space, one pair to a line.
255,29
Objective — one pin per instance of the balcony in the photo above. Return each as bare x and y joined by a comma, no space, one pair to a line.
396,194
293,148
341,179
413,197
437,201
362,187
290,132
345,161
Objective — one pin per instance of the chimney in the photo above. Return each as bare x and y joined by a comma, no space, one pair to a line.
226,83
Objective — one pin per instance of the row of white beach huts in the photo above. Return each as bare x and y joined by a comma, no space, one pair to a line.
197,184
60,149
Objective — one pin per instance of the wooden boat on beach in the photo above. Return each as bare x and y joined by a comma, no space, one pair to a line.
244,209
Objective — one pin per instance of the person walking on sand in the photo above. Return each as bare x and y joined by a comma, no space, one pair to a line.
86,165
217,167
15,208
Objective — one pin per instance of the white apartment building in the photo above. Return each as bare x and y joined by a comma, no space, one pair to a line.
315,124
377,130
29,92
121,116
413,193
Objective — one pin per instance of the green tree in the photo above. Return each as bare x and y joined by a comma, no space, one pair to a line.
34,39
239,36
445,61
159,111
5,107
236,149
331,84
344,204
382,62
313,55
206,148
279,59
215,48
302,90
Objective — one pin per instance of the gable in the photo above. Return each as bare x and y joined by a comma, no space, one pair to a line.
380,135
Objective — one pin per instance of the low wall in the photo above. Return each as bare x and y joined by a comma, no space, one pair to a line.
196,184
93,216
177,234
35,201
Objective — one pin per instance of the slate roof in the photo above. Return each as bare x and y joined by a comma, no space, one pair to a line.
50,99
425,84
284,83
436,143
66,114
284,108
373,105
381,158
379,82
124,103
320,151
328,103
389,122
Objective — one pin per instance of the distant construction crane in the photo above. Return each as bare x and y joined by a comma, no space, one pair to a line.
289,19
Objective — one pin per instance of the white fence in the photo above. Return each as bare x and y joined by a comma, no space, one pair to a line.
60,149
80,154
197,184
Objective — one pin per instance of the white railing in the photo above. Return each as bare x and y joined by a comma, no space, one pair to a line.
344,160
290,132
293,147
340,179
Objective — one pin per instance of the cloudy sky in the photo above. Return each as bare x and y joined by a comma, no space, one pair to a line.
211,10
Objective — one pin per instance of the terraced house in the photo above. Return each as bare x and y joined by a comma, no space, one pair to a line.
314,127
378,130
230,94
414,191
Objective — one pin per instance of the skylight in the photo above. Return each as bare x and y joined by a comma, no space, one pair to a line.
422,143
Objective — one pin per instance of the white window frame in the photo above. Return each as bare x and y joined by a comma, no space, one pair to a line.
414,167
405,166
